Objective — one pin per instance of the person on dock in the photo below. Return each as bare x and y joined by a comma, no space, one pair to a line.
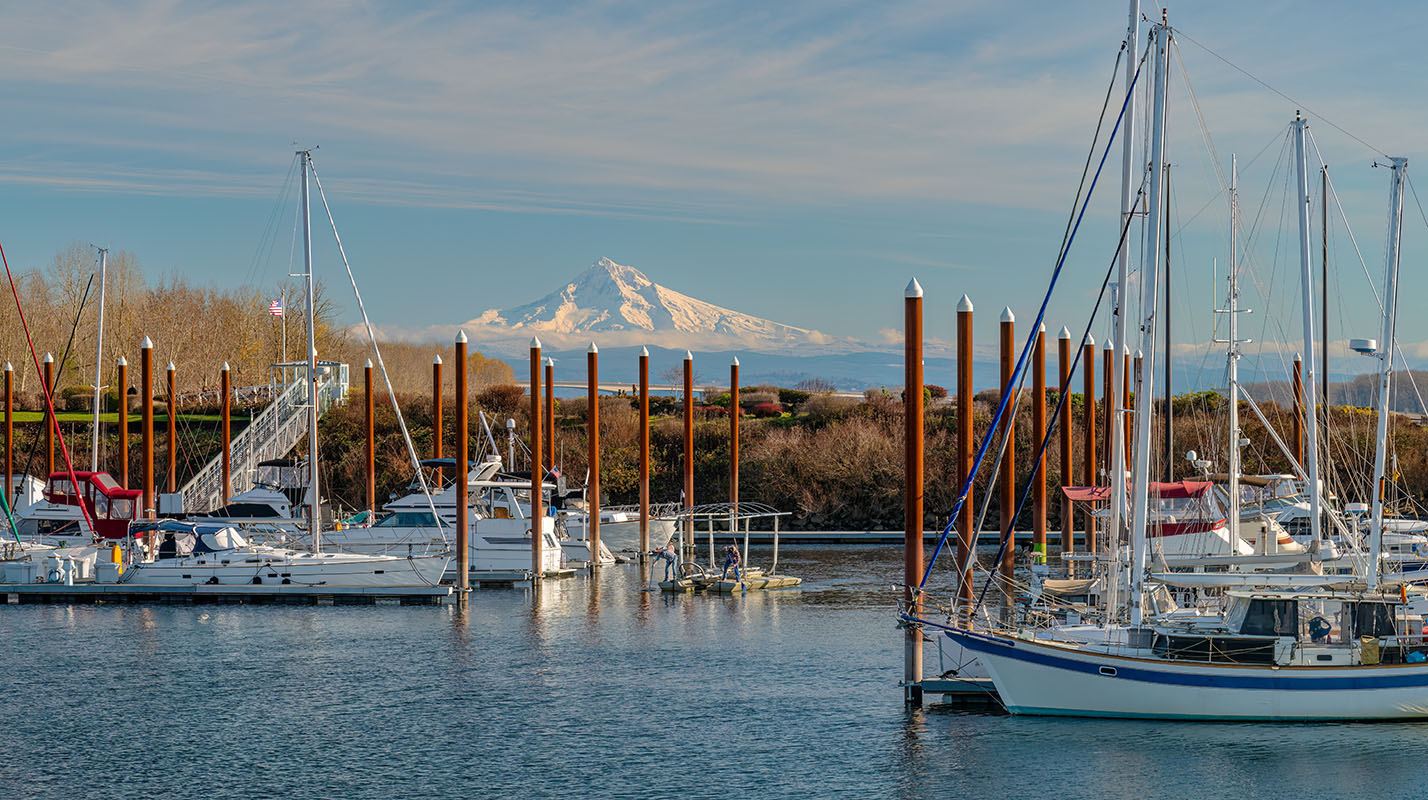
667,555
731,559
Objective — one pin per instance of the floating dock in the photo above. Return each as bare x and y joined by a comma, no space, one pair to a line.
264,594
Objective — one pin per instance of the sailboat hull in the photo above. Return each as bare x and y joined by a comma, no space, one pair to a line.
303,569
1042,679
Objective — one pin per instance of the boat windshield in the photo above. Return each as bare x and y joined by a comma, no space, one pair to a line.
407,519
1185,509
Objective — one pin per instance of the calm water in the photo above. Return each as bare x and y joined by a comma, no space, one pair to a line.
592,690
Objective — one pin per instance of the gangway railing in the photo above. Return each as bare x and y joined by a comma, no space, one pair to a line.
273,433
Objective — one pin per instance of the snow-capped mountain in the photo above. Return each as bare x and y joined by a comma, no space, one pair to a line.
618,305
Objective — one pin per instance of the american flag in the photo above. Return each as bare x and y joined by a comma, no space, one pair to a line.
276,308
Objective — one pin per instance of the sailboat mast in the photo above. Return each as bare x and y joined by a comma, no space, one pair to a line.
1324,282
314,502
1150,274
1311,392
1385,366
1233,353
99,362
1168,465
1118,316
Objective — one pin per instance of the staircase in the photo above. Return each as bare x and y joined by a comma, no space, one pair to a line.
271,434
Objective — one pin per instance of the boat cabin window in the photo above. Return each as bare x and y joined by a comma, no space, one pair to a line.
1185,509
1271,618
407,519
121,508
101,506
1372,619
61,486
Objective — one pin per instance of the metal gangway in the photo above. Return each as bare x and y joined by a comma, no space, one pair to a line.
273,433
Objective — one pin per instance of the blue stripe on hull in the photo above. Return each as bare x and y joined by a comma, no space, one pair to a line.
1065,712
1282,680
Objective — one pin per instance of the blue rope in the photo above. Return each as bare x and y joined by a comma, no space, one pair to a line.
1026,348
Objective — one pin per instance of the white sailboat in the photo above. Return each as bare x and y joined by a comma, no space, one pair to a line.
1323,647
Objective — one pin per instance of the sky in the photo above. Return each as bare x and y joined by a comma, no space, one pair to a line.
799,161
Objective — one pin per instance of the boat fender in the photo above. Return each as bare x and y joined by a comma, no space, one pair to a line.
1403,593
1415,658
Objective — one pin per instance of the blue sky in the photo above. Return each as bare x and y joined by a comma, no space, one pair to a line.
798,161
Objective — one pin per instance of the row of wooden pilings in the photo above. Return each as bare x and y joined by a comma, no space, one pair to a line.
914,563
542,447
146,411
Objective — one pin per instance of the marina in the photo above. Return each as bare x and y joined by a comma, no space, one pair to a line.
1126,499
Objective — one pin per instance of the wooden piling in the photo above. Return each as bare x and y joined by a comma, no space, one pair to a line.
592,445
734,412
550,414
123,426
48,387
463,444
171,432
1298,427
1038,435
645,455
9,431
537,479
688,499
965,445
1008,480
146,400
913,443
1088,434
436,411
225,388
1063,360
368,426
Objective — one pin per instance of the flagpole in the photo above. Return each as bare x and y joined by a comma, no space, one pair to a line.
283,298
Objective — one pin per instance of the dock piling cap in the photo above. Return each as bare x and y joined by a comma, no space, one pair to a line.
592,349
48,359
735,362
914,289
123,362
644,352
437,359
1297,357
1007,315
688,356
1064,334
1090,341
1108,346
461,337
964,305
170,367
368,365
535,342
9,367
224,368
147,344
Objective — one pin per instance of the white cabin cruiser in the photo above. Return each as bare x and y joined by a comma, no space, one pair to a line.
500,533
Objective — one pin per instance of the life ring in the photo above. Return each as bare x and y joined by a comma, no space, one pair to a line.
54,576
